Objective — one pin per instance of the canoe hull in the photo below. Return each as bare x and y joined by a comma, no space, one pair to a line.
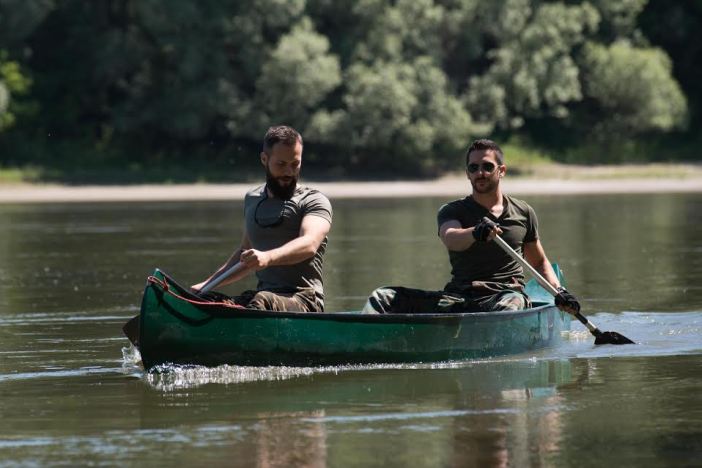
175,331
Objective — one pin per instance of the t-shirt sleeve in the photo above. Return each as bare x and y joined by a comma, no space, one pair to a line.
532,226
318,205
446,213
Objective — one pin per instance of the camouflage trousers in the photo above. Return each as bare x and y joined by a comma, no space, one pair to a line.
303,300
401,300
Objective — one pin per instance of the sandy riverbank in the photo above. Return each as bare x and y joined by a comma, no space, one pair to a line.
445,187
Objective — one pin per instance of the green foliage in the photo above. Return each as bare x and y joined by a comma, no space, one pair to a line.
19,19
252,30
391,86
399,31
675,28
171,75
533,72
5,117
12,83
633,89
619,18
296,78
402,107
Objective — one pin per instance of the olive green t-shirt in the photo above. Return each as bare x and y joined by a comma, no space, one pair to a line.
272,222
485,264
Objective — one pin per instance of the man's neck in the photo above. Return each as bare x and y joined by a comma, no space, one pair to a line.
492,201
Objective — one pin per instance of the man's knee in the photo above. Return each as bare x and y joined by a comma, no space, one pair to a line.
380,301
511,301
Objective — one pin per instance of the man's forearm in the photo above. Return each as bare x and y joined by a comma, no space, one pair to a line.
547,272
295,251
458,239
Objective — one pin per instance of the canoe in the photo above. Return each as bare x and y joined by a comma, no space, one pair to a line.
175,327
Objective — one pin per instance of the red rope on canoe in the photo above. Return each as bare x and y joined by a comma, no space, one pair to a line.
166,288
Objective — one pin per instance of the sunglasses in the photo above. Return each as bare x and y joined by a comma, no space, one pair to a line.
486,167
268,222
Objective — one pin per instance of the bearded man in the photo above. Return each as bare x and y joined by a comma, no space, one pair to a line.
285,233
483,277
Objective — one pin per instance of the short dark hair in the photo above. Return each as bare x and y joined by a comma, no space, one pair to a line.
485,144
280,134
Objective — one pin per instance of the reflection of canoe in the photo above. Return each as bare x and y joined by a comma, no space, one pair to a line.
173,330
293,389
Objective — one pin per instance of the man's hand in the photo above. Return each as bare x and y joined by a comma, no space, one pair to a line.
566,301
256,259
486,230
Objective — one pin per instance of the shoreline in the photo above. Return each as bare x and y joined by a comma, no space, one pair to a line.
453,186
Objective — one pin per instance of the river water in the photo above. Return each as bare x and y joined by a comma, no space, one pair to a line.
72,391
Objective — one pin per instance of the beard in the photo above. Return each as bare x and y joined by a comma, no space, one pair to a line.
283,189
489,185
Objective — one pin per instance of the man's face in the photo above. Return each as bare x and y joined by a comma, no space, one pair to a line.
484,171
282,169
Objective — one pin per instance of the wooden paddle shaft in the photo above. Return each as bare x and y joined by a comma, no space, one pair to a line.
542,281
237,268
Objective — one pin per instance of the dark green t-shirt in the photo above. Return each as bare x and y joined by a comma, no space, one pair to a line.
485,264
272,222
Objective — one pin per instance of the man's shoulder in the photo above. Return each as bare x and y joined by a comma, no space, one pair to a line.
460,203
456,203
303,192
313,202
256,191
518,204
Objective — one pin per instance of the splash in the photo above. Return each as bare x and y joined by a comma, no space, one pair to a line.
655,334
131,357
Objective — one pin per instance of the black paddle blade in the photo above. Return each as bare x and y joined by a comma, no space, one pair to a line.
131,330
610,337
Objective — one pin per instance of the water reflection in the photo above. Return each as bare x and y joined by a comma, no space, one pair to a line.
466,414
291,439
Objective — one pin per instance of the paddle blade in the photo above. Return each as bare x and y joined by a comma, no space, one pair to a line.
610,337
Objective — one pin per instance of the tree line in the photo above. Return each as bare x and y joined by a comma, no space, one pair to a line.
394,86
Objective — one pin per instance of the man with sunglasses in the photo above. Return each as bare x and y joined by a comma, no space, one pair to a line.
285,233
484,277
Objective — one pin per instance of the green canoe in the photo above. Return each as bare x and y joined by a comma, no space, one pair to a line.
174,330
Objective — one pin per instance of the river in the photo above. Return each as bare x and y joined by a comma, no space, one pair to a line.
72,391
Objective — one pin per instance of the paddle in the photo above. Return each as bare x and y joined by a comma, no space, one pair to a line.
607,337
237,269
131,328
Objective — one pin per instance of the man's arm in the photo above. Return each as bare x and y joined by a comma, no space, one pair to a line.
313,230
535,255
457,238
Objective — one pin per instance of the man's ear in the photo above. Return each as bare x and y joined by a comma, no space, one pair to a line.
264,158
